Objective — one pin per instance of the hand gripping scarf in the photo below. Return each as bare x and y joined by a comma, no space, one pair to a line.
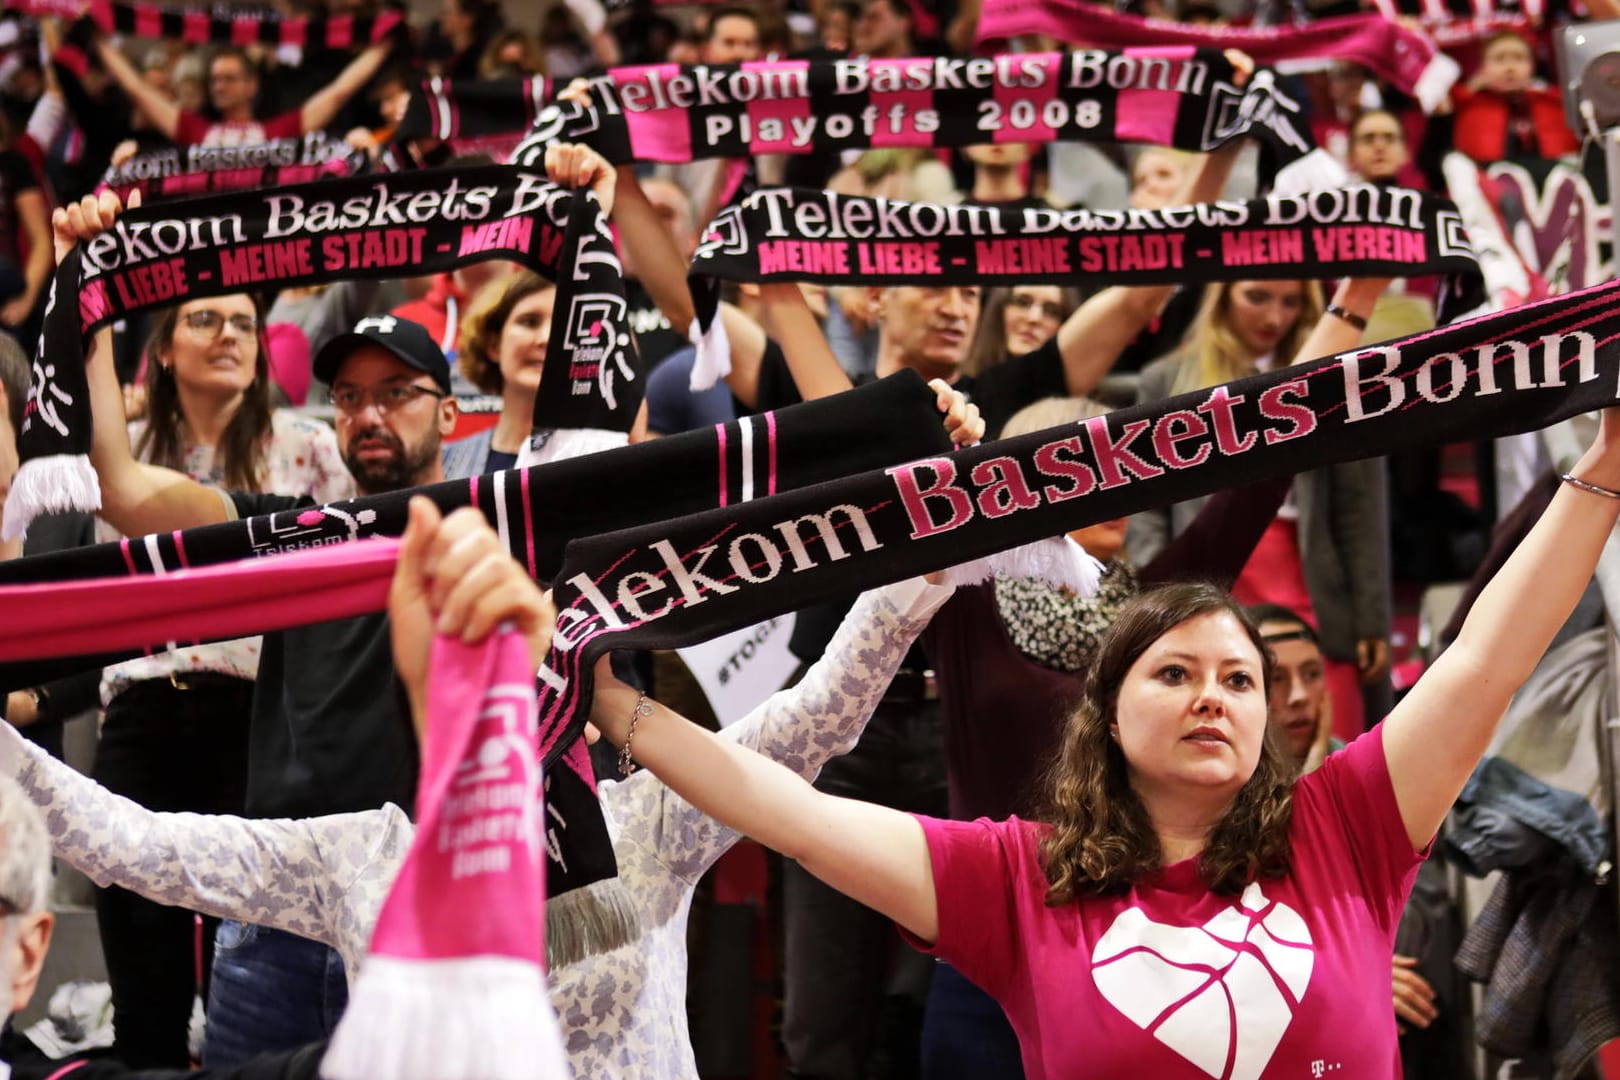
1176,96
454,986
425,222
679,582
790,234
1405,58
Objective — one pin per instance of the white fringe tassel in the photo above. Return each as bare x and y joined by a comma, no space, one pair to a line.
713,360
1438,77
1316,171
471,1018
560,444
47,485
1061,563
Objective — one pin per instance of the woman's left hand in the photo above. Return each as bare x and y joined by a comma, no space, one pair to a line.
573,165
16,310
456,578
1372,659
962,420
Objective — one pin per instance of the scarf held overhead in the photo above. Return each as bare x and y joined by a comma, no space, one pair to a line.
674,583
536,512
357,227
218,26
789,234
200,170
1177,96
792,234
1402,56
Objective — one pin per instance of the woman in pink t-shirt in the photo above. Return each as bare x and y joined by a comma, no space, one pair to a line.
1185,909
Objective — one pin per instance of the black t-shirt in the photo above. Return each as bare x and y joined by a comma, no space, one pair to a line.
1166,333
331,732
655,338
16,177
28,1063
998,392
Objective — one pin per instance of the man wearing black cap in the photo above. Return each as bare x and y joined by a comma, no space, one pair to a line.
329,732
376,375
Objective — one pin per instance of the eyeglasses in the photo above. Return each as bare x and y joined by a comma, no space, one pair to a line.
1046,309
1372,138
209,322
353,399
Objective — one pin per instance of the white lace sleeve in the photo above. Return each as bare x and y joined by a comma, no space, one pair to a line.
322,878
802,727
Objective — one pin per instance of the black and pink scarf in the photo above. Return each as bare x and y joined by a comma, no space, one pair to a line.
203,170
219,26
1171,96
1404,57
679,582
790,234
358,227
675,580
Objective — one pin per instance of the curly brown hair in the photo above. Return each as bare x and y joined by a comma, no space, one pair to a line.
486,317
1101,839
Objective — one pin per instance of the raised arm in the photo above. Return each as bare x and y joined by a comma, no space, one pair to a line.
1437,734
136,499
162,110
818,718
1092,338
323,106
869,853
221,865
35,218
816,371
651,251
747,339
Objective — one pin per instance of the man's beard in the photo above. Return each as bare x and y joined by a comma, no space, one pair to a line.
398,470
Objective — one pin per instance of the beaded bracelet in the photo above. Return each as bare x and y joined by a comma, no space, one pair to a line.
643,708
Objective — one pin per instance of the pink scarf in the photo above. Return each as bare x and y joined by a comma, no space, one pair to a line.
454,987
1404,57
213,603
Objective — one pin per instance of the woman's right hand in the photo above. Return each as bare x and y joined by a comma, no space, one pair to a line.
613,703
86,219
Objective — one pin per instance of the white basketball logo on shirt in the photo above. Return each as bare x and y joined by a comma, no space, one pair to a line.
1221,995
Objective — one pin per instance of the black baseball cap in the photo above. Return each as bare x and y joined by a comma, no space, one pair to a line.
406,339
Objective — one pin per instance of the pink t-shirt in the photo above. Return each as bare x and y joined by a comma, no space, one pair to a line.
1290,980
194,129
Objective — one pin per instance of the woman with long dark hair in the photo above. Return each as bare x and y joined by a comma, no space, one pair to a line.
176,728
1183,907
1326,554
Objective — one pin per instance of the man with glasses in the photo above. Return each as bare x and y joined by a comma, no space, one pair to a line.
328,734
233,88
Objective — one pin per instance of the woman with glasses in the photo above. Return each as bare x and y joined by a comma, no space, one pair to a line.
1017,320
176,728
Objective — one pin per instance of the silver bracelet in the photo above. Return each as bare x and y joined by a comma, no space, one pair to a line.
1575,481
643,708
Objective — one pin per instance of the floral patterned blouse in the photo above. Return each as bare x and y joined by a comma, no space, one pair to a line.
301,458
623,1013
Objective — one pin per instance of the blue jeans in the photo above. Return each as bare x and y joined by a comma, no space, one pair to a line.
965,1034
271,991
